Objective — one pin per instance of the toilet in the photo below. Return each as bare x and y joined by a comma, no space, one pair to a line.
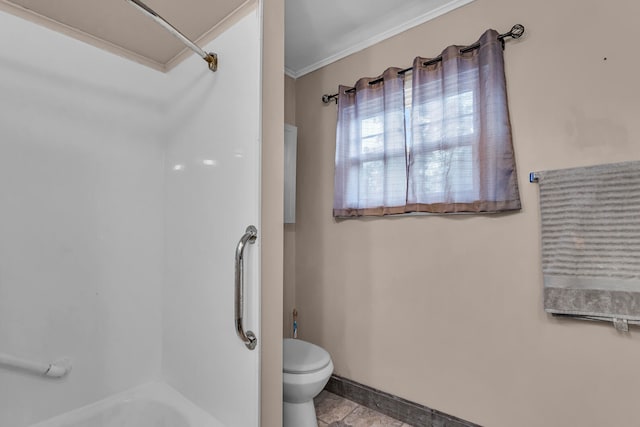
306,370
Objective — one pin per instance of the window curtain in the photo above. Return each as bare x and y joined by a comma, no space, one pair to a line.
460,150
446,131
371,159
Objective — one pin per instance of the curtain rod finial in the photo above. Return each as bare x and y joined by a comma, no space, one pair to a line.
517,31
327,98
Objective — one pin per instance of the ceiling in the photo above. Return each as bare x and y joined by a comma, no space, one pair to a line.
118,27
317,32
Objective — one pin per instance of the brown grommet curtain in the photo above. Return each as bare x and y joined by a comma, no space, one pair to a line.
436,141
371,160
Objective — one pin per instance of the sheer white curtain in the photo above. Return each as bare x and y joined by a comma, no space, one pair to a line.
460,151
371,157
438,142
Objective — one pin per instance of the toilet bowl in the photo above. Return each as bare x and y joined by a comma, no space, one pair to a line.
306,370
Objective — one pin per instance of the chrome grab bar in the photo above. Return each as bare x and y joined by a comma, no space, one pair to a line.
249,338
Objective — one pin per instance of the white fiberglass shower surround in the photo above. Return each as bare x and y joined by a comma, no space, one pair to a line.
123,194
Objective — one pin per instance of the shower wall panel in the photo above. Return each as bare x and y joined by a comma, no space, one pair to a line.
212,195
123,193
81,220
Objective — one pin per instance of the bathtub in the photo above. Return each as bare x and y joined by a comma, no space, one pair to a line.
149,405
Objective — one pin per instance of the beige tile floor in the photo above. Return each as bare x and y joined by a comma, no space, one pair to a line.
336,411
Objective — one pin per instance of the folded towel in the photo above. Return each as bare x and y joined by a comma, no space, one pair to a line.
591,241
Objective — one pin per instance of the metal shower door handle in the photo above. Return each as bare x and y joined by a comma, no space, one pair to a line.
248,338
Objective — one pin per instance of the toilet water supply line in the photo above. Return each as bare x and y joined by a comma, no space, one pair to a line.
57,369
295,323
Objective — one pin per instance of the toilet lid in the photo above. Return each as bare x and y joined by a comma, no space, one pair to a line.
301,356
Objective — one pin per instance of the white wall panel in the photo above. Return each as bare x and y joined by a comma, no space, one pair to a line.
81,221
102,163
212,177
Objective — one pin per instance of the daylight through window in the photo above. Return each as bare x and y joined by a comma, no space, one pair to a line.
435,140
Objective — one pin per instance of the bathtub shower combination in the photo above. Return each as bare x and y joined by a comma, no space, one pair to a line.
150,405
129,239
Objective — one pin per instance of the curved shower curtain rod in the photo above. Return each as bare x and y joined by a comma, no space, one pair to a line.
211,58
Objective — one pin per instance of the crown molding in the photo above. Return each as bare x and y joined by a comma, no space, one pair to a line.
420,19
59,27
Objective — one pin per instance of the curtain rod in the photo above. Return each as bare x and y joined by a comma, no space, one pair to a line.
515,33
211,58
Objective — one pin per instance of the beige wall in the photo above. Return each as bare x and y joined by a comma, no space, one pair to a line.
289,229
447,311
272,212
289,100
289,279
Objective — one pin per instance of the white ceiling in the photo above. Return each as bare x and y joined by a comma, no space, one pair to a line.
318,33
116,26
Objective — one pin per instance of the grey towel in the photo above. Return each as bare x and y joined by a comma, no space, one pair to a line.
591,241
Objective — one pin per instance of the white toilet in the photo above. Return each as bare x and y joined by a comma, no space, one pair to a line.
306,370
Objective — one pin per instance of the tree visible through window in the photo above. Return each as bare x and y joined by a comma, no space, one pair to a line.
437,140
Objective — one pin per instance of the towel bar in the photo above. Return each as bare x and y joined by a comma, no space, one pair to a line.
621,325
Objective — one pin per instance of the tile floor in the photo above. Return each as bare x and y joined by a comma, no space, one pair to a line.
335,411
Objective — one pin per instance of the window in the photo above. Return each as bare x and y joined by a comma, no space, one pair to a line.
435,140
